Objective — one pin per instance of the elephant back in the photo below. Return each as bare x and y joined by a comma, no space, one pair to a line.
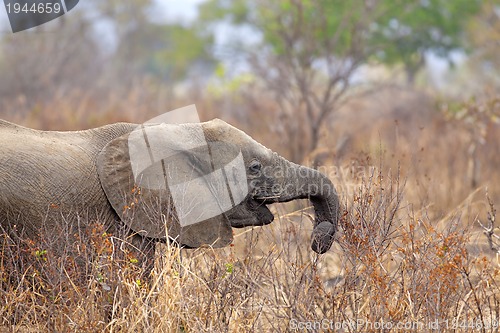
48,176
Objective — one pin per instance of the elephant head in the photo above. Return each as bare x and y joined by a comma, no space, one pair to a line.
193,182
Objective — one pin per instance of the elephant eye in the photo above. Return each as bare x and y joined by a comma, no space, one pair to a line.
255,166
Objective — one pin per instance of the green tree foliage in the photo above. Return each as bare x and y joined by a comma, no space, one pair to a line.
409,29
167,51
390,31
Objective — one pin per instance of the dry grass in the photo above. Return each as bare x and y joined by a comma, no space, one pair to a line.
390,265
409,251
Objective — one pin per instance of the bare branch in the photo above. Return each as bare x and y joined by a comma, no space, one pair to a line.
489,229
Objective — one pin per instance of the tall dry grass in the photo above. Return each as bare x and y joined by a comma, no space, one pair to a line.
409,254
391,266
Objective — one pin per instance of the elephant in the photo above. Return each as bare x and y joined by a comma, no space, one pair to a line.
188,184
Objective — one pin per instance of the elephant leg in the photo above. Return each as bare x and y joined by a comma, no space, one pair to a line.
145,255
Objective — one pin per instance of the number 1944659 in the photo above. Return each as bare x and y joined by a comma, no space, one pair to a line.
39,8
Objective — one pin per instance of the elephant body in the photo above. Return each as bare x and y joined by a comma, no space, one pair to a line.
46,174
130,177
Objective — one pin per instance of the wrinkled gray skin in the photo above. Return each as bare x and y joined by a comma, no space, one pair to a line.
49,178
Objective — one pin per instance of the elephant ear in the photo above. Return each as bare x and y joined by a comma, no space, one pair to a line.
167,180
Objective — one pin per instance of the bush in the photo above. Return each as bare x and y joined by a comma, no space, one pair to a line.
391,266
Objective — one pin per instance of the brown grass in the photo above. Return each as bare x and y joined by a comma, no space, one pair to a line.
409,252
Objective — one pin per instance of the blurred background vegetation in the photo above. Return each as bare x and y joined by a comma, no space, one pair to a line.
314,80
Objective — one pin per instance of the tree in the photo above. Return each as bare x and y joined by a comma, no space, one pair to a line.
35,65
167,51
310,49
410,29
483,34
308,53
73,54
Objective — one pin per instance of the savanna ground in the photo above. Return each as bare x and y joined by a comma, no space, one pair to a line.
415,177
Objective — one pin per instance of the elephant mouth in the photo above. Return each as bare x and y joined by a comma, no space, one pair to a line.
263,214
251,213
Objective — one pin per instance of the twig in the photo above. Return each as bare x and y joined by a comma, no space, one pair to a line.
489,230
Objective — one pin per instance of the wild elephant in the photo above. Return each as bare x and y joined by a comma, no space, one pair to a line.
186,183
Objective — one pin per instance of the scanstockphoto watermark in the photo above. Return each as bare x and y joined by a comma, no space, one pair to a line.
27,14
348,177
333,172
362,324
321,187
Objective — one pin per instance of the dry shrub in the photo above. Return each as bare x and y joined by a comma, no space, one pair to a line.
65,281
406,253
391,266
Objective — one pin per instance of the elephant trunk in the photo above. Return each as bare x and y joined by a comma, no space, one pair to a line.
300,182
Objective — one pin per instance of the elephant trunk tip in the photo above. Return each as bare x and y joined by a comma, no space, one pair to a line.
322,237
327,211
